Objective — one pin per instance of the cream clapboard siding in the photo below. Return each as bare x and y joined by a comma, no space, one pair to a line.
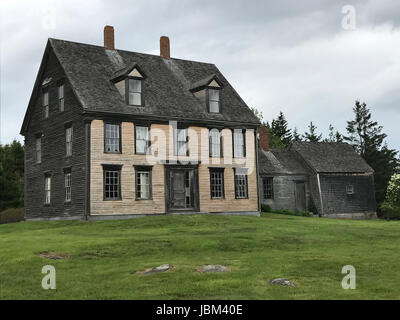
162,150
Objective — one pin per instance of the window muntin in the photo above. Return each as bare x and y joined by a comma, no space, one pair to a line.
143,183
67,186
38,150
142,140
268,188
181,142
241,187
46,104
68,141
47,189
112,142
217,183
135,92
215,145
112,183
61,97
239,141
213,100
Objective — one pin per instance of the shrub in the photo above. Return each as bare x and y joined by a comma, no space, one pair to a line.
293,213
390,211
265,208
12,215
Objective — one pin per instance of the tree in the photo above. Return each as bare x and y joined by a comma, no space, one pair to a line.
279,128
367,138
11,175
296,135
312,135
333,136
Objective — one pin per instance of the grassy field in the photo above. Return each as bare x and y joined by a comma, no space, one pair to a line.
103,257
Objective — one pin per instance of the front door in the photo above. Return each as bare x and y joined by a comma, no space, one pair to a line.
182,193
300,196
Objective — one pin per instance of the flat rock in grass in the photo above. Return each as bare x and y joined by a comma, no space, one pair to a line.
213,268
162,268
53,255
282,282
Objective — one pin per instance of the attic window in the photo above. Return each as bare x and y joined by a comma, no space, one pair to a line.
134,95
350,189
213,100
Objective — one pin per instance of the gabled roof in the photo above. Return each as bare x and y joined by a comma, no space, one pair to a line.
331,157
119,74
202,83
279,162
166,89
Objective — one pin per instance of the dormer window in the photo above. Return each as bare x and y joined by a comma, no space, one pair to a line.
134,91
213,100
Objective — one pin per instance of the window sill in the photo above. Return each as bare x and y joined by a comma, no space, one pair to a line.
241,198
149,199
68,202
109,152
222,198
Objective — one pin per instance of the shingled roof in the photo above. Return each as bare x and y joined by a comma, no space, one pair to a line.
279,162
166,88
331,157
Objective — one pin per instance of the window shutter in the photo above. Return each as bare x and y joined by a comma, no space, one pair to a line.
210,143
221,140
187,142
244,142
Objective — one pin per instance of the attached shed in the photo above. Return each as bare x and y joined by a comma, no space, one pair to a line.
341,181
283,180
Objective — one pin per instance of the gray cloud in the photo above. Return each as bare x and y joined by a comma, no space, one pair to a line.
292,56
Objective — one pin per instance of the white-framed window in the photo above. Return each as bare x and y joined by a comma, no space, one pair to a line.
67,185
135,92
215,145
112,142
142,140
239,143
143,183
241,185
47,189
61,97
181,142
213,100
68,141
46,104
38,150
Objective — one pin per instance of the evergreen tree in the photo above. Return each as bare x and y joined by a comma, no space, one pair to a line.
333,136
279,127
368,140
312,135
296,135
11,175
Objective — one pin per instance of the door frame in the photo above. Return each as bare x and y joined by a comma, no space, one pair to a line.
167,189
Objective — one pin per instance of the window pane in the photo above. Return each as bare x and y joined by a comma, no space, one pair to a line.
141,146
214,106
135,85
238,143
213,94
135,99
112,139
181,146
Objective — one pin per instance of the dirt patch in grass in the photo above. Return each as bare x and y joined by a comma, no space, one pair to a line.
162,268
53,255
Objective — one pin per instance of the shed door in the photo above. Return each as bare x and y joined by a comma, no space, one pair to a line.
300,196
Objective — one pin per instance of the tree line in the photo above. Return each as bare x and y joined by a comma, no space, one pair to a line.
362,132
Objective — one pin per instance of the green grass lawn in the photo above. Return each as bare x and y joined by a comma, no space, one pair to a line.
104,256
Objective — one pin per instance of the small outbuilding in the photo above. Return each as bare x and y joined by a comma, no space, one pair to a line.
330,179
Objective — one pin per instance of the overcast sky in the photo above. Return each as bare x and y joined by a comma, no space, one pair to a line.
293,56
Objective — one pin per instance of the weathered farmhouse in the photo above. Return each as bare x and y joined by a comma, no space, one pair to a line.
330,178
116,133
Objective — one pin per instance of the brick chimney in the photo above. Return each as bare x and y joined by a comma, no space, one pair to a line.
109,37
164,47
264,138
